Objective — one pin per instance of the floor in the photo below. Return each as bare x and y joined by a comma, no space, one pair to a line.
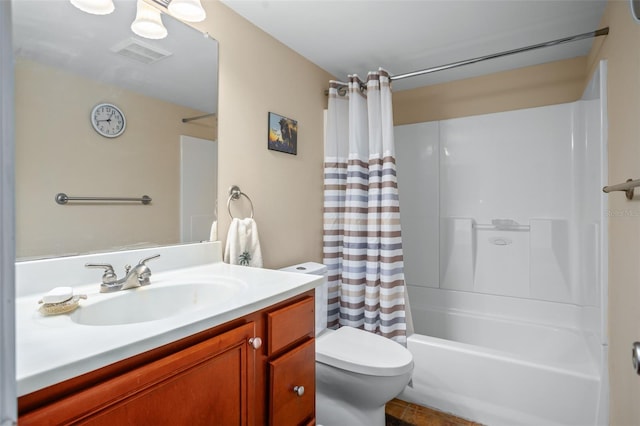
401,413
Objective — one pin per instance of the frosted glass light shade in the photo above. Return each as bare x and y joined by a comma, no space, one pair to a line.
95,7
148,23
187,10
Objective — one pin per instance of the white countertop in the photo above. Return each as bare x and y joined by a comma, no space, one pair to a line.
51,349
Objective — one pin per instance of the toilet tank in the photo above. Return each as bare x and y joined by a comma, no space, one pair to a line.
314,268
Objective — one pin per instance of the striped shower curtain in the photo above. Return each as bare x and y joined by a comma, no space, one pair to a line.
362,239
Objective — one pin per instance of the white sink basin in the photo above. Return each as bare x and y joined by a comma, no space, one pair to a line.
151,303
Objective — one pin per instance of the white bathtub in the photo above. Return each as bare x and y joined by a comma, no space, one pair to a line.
499,367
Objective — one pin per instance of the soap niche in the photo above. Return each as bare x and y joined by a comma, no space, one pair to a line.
505,257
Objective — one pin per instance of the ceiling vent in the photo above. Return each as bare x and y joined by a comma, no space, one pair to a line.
140,51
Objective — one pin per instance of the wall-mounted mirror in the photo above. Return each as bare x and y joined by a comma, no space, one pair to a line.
66,63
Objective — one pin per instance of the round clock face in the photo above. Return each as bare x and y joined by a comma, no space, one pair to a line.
108,120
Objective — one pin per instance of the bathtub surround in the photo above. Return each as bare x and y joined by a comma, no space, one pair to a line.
362,240
505,266
514,380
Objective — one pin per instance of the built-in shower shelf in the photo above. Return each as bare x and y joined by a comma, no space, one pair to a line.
501,225
490,227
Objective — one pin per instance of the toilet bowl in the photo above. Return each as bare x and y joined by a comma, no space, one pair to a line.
357,372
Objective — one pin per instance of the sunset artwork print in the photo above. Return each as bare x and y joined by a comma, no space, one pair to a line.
283,134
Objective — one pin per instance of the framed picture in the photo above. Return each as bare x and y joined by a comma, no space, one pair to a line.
283,134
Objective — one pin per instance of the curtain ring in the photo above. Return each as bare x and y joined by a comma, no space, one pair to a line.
234,194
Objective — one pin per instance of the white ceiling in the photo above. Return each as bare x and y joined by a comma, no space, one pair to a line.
55,33
355,37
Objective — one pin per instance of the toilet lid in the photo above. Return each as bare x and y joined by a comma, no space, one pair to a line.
362,352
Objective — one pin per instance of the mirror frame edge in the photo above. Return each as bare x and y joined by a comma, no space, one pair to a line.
8,385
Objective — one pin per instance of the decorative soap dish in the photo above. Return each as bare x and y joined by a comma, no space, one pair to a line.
60,300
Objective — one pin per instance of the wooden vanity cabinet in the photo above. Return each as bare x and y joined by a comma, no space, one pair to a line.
216,377
209,383
291,355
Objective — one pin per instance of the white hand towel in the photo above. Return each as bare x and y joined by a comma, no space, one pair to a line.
243,245
213,234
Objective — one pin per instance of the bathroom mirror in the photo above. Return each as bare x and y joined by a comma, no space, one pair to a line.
67,63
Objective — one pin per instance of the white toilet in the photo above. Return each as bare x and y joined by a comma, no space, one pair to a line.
357,372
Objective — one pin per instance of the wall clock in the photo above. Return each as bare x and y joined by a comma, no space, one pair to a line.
108,120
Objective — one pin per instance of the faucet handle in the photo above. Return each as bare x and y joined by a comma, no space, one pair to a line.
109,275
143,261
143,270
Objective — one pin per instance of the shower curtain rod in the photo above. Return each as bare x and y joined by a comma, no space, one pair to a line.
590,34
186,120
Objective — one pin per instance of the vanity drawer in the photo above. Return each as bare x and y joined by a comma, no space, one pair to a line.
290,405
289,324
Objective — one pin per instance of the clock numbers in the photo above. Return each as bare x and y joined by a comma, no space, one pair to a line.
108,120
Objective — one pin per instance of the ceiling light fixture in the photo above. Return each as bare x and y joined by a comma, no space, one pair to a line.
187,10
94,7
148,22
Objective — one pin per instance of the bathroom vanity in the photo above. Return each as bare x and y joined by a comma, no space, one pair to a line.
247,361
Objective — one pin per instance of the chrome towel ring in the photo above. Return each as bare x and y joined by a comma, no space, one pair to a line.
234,194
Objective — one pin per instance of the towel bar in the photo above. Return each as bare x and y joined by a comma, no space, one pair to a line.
62,198
627,187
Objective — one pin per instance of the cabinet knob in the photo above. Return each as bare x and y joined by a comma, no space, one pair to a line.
255,342
299,390
635,357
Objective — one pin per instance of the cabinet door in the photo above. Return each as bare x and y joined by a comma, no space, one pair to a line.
209,383
287,372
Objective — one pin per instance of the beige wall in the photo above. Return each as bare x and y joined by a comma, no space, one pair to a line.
57,150
546,84
257,75
621,48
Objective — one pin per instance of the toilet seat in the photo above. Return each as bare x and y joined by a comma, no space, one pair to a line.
363,352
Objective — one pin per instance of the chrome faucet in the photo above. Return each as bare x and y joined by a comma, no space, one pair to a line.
134,277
